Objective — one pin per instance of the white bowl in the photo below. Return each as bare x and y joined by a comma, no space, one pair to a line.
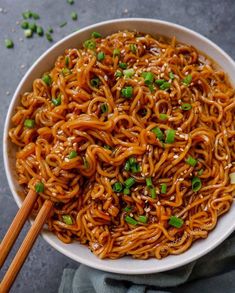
80,253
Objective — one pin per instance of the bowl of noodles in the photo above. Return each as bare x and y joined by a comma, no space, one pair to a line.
128,127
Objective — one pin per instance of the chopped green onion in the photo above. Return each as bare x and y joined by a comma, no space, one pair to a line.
176,222
50,30
40,31
24,25
35,15
107,147
129,72
163,116
89,44
127,209
33,27
39,187
27,14
118,73
170,136
104,107
132,160
127,166
116,52
122,65
159,81
143,219
95,82
196,184
9,44
130,220
232,178
135,168
67,60
63,24
191,161
67,219
126,191
129,182
96,35
149,182
200,172
47,79
65,71
163,188
127,92
117,187
49,37
152,192
159,134
171,75
133,48
148,77
56,101
186,107
151,88
187,80
100,56
165,86
71,2
73,154
29,123
74,15
85,163
28,33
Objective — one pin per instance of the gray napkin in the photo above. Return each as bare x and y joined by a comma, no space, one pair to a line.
214,273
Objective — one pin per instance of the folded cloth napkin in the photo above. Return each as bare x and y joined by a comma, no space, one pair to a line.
214,273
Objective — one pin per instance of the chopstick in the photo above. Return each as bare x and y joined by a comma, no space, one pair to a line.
16,225
25,247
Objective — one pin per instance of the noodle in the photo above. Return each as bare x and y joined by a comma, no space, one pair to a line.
133,139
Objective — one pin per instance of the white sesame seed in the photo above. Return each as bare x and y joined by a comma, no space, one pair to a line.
176,156
66,159
172,197
158,203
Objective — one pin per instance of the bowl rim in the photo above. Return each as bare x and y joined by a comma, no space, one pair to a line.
47,236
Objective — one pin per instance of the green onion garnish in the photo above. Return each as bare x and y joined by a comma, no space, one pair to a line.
65,71
122,65
127,92
132,160
170,136
29,123
66,60
118,73
67,219
171,75
27,14
117,187
35,15
63,24
56,101
71,2
50,30
96,35
40,31
100,56
116,52
149,182
148,77
152,192
200,172
232,178
130,220
143,219
176,222
159,81
129,182
135,168
191,161
163,188
39,187
126,191
186,107
104,107
9,43
89,44
127,166
163,116
133,48
187,80
129,72
159,134
166,85
28,33
47,79
73,154
151,88
24,25
33,27
74,15
107,147
85,163
95,82
127,209
196,184
49,37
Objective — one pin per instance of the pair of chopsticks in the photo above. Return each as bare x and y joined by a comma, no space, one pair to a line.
28,242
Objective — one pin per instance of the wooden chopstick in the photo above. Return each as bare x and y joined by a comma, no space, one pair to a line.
16,225
25,247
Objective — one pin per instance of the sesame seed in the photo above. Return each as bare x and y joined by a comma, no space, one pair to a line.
176,156
158,203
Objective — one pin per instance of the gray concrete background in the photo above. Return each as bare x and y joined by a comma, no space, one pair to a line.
214,19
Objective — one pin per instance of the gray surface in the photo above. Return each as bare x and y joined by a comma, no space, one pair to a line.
214,19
